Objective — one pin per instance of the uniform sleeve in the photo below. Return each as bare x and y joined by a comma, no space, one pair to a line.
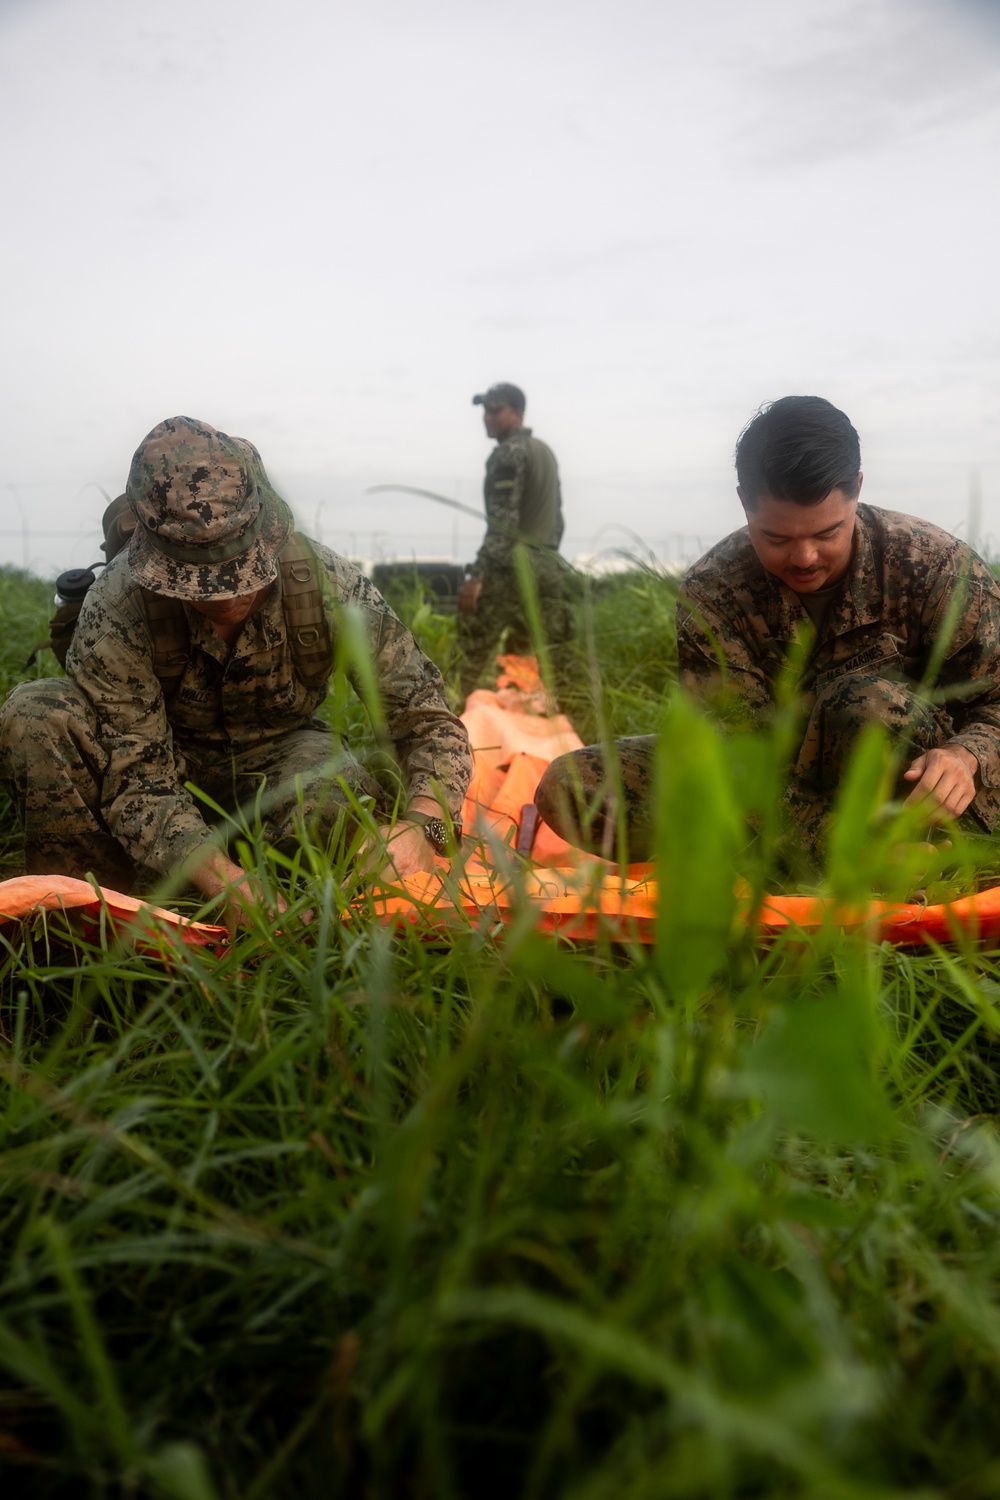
505,489
715,667
429,742
969,675
143,800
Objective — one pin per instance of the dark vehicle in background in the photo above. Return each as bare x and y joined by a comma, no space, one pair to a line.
441,580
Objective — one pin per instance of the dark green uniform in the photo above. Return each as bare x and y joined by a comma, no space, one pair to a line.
523,502
736,622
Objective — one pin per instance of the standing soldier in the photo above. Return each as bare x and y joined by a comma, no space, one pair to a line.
202,654
523,504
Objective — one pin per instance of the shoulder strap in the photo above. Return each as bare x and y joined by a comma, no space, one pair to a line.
306,620
171,639
61,628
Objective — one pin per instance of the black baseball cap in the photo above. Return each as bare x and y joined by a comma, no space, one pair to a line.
501,395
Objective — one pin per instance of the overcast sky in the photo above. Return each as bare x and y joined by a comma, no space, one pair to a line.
324,225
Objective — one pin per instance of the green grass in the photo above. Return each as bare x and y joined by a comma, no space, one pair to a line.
623,662
349,1214
25,606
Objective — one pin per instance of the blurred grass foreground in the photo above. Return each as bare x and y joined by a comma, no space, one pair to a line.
361,1216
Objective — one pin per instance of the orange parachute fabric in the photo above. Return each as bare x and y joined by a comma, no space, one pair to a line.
566,892
513,739
27,895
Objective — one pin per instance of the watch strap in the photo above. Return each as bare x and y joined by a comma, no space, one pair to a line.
441,833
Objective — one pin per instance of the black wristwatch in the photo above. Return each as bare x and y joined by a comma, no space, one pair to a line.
443,837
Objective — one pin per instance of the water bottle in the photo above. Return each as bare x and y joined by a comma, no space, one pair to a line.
72,585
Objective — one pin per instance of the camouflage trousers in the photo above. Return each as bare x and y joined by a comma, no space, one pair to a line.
579,800
53,764
501,608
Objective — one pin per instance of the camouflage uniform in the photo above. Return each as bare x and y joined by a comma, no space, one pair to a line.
523,503
734,628
577,798
97,764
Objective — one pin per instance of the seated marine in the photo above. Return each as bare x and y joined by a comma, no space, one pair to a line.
888,597
202,655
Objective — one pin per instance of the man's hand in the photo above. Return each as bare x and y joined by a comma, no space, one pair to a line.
468,596
408,850
217,874
947,776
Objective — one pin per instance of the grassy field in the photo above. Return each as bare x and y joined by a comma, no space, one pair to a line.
346,1214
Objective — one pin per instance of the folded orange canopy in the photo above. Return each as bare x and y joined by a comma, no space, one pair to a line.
578,896
513,739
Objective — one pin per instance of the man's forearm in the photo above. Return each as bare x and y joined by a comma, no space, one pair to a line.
430,743
497,551
213,872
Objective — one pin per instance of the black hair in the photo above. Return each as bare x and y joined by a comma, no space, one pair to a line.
799,448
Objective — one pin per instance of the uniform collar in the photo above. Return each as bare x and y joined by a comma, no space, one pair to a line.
859,601
263,629
516,433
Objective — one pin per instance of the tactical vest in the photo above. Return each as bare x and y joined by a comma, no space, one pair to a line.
306,621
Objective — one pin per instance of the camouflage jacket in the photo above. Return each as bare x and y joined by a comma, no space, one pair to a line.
736,621
235,697
522,498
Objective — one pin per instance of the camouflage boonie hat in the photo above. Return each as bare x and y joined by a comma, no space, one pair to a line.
501,395
210,525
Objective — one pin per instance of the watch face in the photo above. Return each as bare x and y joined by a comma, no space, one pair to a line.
443,837
437,832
